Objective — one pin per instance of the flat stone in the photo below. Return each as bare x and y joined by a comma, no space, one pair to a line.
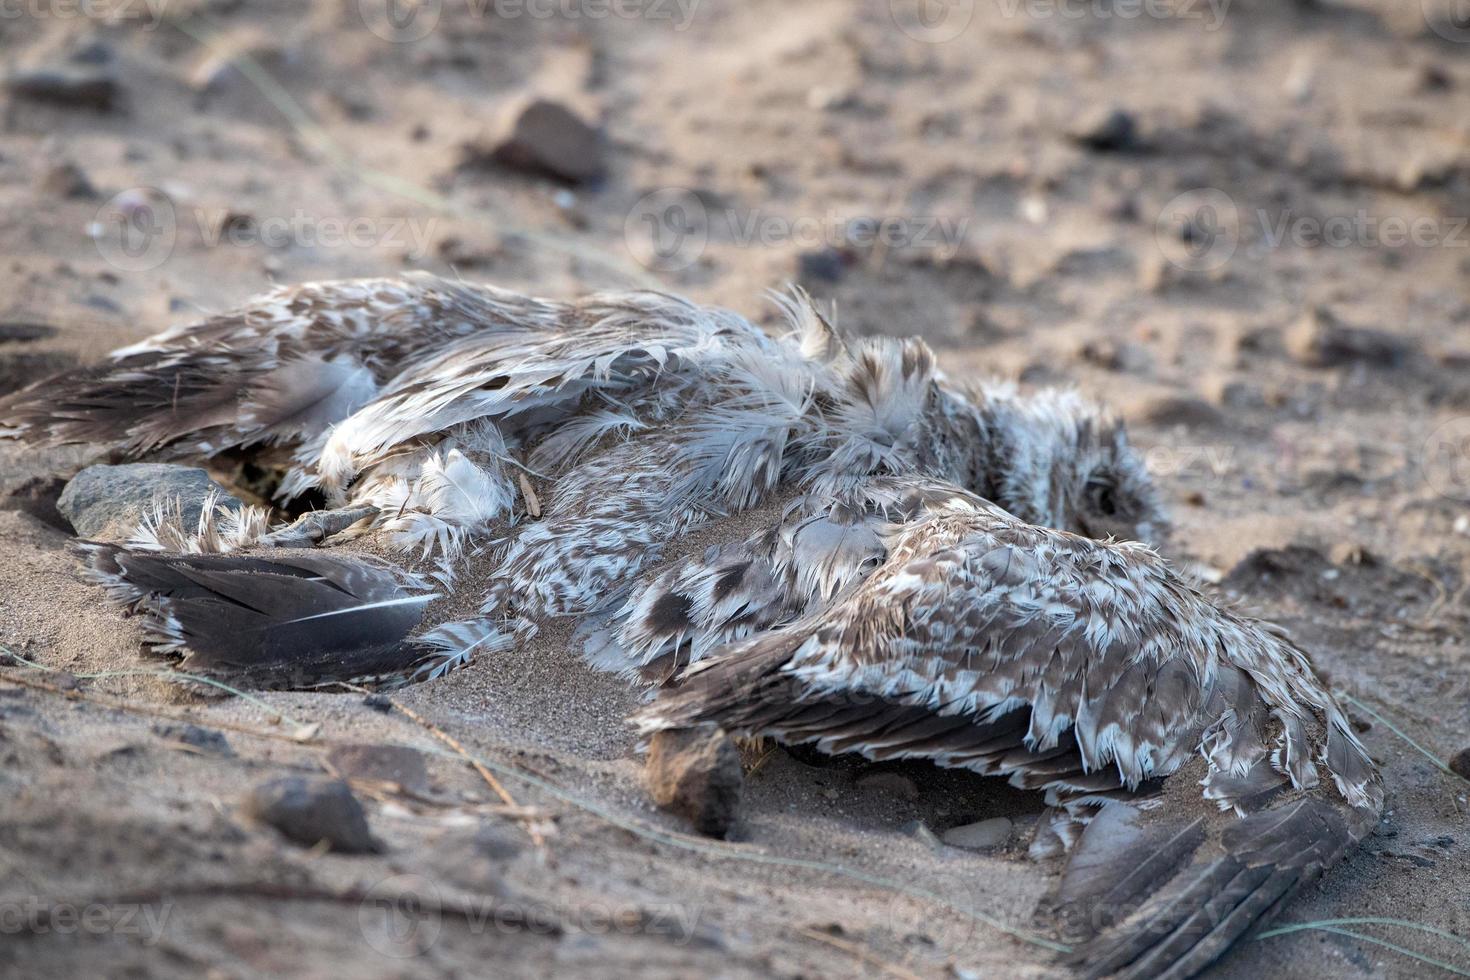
979,836
397,764
696,774
309,811
105,503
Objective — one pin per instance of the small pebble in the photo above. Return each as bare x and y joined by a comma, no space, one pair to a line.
309,811
892,783
979,836
696,773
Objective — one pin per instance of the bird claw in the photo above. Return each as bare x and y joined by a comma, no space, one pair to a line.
310,530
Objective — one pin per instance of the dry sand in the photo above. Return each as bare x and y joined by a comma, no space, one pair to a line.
765,112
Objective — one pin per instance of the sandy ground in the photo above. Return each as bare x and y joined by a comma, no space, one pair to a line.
1027,239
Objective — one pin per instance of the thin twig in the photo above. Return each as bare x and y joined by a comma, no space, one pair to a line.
536,836
861,952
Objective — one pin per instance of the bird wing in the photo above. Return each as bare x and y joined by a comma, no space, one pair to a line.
613,345
1081,668
284,620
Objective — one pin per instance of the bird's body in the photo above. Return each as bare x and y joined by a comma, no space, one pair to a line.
920,576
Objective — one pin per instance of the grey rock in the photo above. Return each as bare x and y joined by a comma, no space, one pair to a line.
1109,130
398,764
204,739
979,836
544,136
891,783
1167,411
1319,339
822,265
696,774
105,503
309,811
68,180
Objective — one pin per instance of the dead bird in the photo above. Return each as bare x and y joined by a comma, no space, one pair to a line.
936,575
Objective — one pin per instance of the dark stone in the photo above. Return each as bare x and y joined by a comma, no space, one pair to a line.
1111,130
66,180
1460,763
543,136
18,331
309,811
396,764
1171,410
206,739
1319,339
75,85
695,773
105,503
823,265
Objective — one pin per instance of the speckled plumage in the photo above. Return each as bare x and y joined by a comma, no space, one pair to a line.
921,575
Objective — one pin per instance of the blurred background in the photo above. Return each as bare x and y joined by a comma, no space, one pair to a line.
1245,224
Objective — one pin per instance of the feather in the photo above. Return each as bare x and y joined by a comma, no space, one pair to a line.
277,622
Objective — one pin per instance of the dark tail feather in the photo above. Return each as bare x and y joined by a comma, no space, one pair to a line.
1153,894
270,622
133,405
744,674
